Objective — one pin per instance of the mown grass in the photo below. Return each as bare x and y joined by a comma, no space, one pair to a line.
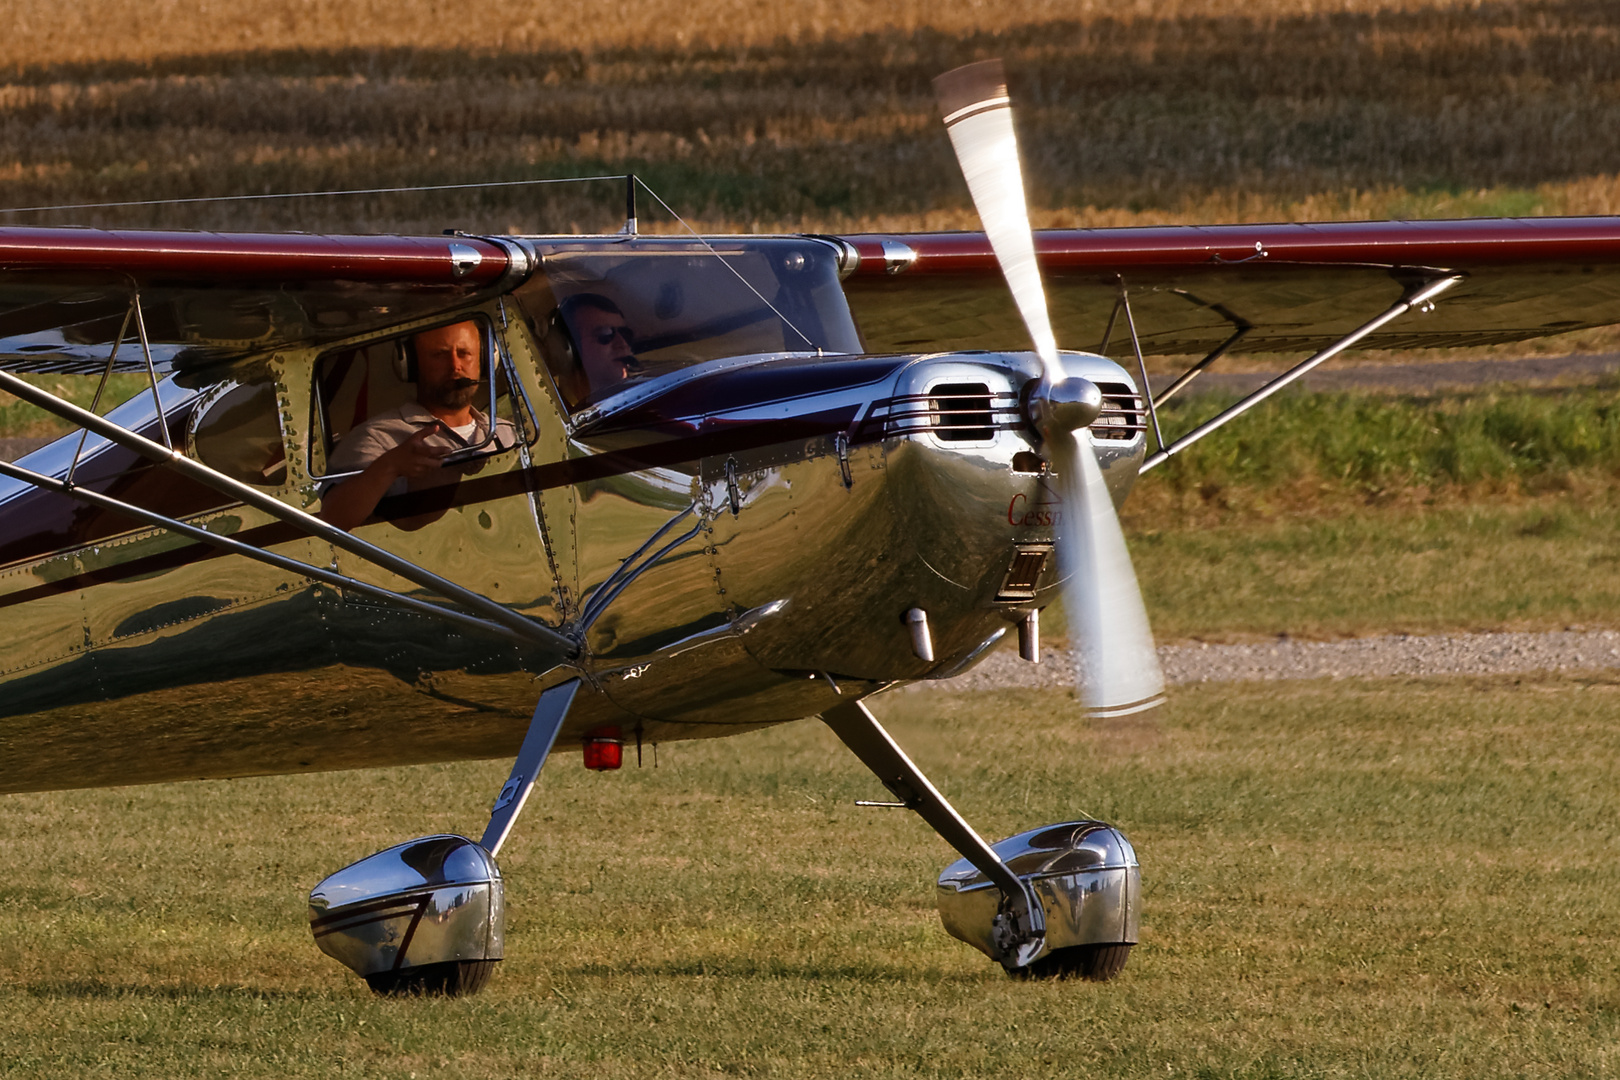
1306,448
1326,515
1537,564
1390,878
755,115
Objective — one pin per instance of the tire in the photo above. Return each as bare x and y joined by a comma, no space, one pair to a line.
1093,963
453,978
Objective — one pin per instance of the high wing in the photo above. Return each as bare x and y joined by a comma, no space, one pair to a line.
1286,287
1289,287
206,297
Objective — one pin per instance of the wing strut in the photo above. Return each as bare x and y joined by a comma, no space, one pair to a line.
518,624
236,547
1021,927
101,388
1422,299
1240,330
1124,303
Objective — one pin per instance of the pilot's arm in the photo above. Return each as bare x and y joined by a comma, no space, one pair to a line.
349,503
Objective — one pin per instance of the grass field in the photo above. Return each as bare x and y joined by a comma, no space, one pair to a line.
1402,878
1537,565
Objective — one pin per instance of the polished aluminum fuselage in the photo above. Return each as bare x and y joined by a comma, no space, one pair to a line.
735,544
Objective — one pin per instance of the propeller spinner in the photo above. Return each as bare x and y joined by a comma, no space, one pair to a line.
1116,667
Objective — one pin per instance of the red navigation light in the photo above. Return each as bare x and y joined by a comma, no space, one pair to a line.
604,749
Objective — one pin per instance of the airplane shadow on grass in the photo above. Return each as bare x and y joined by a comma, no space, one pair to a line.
102,990
778,968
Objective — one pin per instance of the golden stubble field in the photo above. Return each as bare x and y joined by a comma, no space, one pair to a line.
812,115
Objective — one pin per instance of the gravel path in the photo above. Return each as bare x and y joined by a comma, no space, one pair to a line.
1397,654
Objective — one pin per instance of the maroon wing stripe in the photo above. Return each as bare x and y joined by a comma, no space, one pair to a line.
237,258
1448,244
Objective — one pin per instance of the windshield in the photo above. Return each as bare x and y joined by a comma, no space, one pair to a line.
628,311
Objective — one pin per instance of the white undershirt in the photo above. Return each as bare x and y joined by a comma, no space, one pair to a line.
465,431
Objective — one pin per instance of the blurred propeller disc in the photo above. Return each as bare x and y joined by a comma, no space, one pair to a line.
978,115
1115,662
1116,665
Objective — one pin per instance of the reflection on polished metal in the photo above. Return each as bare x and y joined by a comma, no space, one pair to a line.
549,713
633,566
425,916
1089,885
270,558
922,642
1421,298
1029,637
464,259
1066,404
151,370
308,523
1017,927
897,257
848,258
522,259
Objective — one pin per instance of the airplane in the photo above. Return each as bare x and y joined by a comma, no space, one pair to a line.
831,465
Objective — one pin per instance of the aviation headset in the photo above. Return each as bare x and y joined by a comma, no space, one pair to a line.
560,337
405,354
405,359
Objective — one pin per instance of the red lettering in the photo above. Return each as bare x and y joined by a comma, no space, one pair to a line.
1036,517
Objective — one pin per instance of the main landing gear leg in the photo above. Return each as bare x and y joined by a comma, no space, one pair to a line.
1018,931
428,916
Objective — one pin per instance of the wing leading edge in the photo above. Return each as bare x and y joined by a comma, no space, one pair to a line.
1297,287
208,297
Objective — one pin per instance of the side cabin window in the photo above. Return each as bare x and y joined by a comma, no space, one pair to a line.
236,429
370,397
609,314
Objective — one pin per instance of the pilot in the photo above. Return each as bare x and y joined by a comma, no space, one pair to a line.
403,449
604,344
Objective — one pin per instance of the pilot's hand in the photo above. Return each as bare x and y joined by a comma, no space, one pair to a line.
351,502
415,457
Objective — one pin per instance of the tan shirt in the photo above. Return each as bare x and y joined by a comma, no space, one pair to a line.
381,433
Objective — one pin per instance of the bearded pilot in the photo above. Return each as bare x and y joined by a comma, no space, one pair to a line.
404,449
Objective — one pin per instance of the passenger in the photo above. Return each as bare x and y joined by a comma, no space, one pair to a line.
604,342
403,449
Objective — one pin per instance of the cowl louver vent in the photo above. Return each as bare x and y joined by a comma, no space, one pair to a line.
1122,415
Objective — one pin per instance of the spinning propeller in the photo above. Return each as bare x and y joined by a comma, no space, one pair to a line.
1116,666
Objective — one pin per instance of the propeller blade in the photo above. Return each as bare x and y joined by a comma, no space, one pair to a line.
978,115
1116,666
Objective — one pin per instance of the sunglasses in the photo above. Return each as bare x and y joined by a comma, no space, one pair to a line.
604,335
